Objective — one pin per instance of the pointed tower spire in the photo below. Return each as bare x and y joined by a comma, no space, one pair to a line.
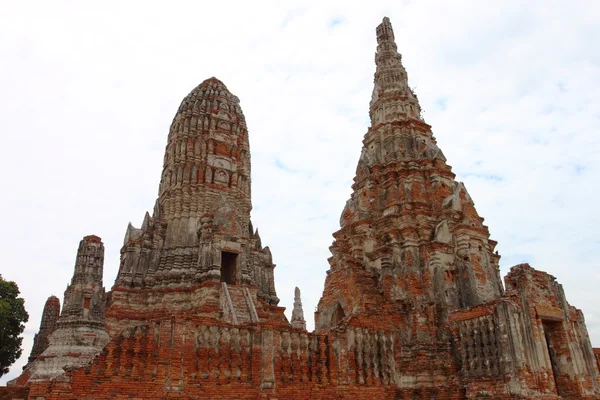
409,233
298,321
392,98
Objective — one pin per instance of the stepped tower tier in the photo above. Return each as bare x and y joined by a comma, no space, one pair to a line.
200,229
411,242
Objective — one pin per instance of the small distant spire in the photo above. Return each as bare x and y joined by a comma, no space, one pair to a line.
298,321
47,326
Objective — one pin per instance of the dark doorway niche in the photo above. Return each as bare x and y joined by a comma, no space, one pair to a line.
338,315
86,307
551,329
228,267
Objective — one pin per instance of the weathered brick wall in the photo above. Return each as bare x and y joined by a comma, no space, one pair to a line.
14,393
183,358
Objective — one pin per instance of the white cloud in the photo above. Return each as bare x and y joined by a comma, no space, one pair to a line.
88,91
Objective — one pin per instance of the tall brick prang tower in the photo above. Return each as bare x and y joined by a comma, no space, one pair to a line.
79,333
410,242
200,229
411,248
199,252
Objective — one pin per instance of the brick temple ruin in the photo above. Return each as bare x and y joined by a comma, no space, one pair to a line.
413,305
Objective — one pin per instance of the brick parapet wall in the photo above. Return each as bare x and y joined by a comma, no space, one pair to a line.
180,358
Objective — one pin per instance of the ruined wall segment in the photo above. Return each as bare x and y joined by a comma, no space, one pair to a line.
531,343
557,332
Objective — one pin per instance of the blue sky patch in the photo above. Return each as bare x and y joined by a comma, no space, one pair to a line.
335,21
441,103
487,177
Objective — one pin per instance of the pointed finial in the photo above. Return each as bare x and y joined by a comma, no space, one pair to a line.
392,99
146,223
258,240
128,233
385,32
156,211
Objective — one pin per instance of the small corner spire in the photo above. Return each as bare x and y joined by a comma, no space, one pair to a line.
298,321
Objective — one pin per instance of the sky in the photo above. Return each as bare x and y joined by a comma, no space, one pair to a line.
88,91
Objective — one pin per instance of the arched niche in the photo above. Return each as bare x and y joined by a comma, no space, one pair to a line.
338,315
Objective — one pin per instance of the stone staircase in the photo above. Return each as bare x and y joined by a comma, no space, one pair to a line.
238,306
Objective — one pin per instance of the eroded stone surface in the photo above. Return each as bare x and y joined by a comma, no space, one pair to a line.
413,304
